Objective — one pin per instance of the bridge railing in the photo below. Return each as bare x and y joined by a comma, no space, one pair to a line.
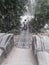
40,45
6,44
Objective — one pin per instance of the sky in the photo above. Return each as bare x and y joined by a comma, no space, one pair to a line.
27,14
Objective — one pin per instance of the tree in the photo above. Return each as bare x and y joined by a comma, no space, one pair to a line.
41,15
10,12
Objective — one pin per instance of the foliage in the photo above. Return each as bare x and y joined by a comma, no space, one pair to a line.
10,12
41,15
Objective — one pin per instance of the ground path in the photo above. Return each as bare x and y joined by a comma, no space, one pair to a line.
22,53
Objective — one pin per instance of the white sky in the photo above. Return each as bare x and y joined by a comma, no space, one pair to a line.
27,15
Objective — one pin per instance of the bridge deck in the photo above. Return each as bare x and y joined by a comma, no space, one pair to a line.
21,54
